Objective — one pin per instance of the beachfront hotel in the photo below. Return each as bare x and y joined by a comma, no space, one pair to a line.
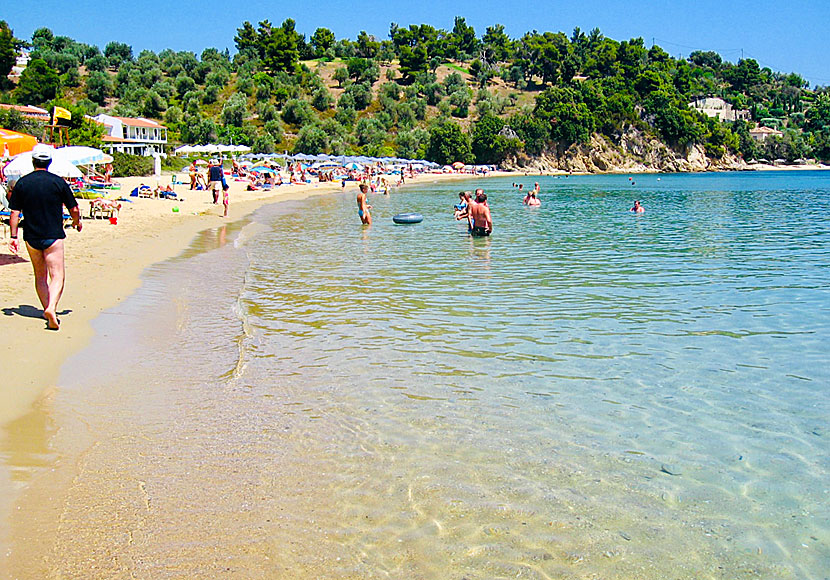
133,135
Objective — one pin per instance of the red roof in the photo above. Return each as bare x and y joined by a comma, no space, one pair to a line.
28,110
139,122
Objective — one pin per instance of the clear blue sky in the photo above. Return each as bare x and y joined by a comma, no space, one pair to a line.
787,36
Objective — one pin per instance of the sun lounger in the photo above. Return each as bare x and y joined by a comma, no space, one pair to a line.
103,208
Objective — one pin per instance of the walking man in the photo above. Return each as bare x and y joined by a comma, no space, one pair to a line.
40,196
215,178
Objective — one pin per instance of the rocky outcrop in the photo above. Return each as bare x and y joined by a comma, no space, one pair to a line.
636,152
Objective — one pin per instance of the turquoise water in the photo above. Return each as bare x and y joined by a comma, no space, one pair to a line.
587,393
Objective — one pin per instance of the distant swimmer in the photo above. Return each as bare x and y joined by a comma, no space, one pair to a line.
480,220
363,207
637,208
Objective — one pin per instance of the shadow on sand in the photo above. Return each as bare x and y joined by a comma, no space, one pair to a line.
6,259
29,311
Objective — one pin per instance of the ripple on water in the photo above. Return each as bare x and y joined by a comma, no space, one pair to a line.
586,393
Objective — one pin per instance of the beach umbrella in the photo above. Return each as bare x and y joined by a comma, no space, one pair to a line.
457,165
79,155
22,165
201,162
353,165
262,169
13,143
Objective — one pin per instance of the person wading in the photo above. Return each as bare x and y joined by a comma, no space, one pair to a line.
40,197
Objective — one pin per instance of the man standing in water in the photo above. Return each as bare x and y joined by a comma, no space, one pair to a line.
482,224
40,196
363,207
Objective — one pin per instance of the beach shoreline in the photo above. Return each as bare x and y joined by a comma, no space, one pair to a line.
104,266
98,476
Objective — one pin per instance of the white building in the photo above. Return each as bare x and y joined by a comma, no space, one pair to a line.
136,136
717,107
20,65
760,134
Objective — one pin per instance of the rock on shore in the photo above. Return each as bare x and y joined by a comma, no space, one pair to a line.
635,153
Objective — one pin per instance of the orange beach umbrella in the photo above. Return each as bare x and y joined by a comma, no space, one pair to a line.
13,143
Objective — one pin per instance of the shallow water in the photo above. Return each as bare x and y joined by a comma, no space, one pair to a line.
587,393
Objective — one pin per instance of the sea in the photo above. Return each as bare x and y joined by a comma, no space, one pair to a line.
587,393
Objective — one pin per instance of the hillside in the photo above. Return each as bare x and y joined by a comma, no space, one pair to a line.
545,100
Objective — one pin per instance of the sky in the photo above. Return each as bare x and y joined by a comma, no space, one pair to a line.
786,36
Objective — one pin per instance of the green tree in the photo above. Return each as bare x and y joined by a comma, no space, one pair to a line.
570,119
413,60
488,143
235,110
745,75
98,87
448,143
412,144
341,75
153,105
321,41
322,99
8,50
42,39
463,39
247,38
818,115
361,94
460,101
533,131
367,46
281,48
264,144
184,84
311,140
497,45
274,128
297,112
117,53
38,84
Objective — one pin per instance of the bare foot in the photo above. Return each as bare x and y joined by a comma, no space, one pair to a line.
51,320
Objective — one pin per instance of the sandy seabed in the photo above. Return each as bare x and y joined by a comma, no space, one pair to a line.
104,263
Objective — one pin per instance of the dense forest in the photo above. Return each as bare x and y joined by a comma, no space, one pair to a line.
423,92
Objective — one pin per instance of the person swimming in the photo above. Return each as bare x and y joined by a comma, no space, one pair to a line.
533,201
637,207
